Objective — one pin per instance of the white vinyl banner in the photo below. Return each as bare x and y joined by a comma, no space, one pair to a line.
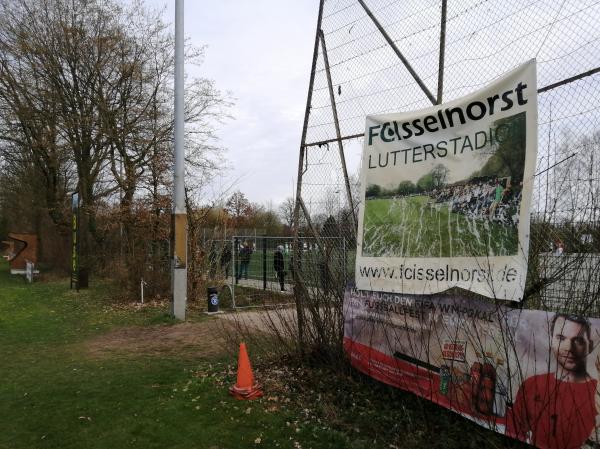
447,192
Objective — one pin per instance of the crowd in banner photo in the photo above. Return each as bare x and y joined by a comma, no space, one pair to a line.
494,200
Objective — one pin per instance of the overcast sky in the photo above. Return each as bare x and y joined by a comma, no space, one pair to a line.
261,52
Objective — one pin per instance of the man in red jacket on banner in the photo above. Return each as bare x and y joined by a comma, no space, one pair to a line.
558,410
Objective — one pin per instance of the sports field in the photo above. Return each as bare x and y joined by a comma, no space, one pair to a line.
418,227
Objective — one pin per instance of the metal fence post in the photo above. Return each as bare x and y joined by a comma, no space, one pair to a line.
264,262
236,250
345,262
233,271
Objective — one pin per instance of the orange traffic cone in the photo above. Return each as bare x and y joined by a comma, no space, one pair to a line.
245,387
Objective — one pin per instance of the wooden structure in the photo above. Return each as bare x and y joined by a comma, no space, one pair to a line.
25,248
8,249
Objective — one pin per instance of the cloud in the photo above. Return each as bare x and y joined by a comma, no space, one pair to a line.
260,51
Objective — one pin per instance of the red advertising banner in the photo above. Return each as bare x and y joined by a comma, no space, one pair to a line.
529,374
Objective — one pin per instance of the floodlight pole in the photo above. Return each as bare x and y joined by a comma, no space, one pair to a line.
179,215
338,133
440,91
299,287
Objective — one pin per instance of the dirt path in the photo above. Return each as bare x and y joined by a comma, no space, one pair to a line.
264,320
206,339
209,338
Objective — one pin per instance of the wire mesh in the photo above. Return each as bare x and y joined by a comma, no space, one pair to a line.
258,271
483,40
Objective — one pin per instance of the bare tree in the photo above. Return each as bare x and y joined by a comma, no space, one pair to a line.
286,212
86,100
238,207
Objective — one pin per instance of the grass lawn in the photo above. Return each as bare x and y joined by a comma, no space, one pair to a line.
57,393
417,227
85,370
310,261
256,267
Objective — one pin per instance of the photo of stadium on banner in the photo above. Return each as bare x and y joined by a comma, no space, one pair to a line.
442,216
447,192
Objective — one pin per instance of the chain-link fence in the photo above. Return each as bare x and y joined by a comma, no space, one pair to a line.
258,271
380,56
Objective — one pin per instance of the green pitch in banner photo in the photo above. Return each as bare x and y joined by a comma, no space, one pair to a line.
447,193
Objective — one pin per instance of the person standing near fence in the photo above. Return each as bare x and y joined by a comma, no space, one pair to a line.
279,266
245,254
